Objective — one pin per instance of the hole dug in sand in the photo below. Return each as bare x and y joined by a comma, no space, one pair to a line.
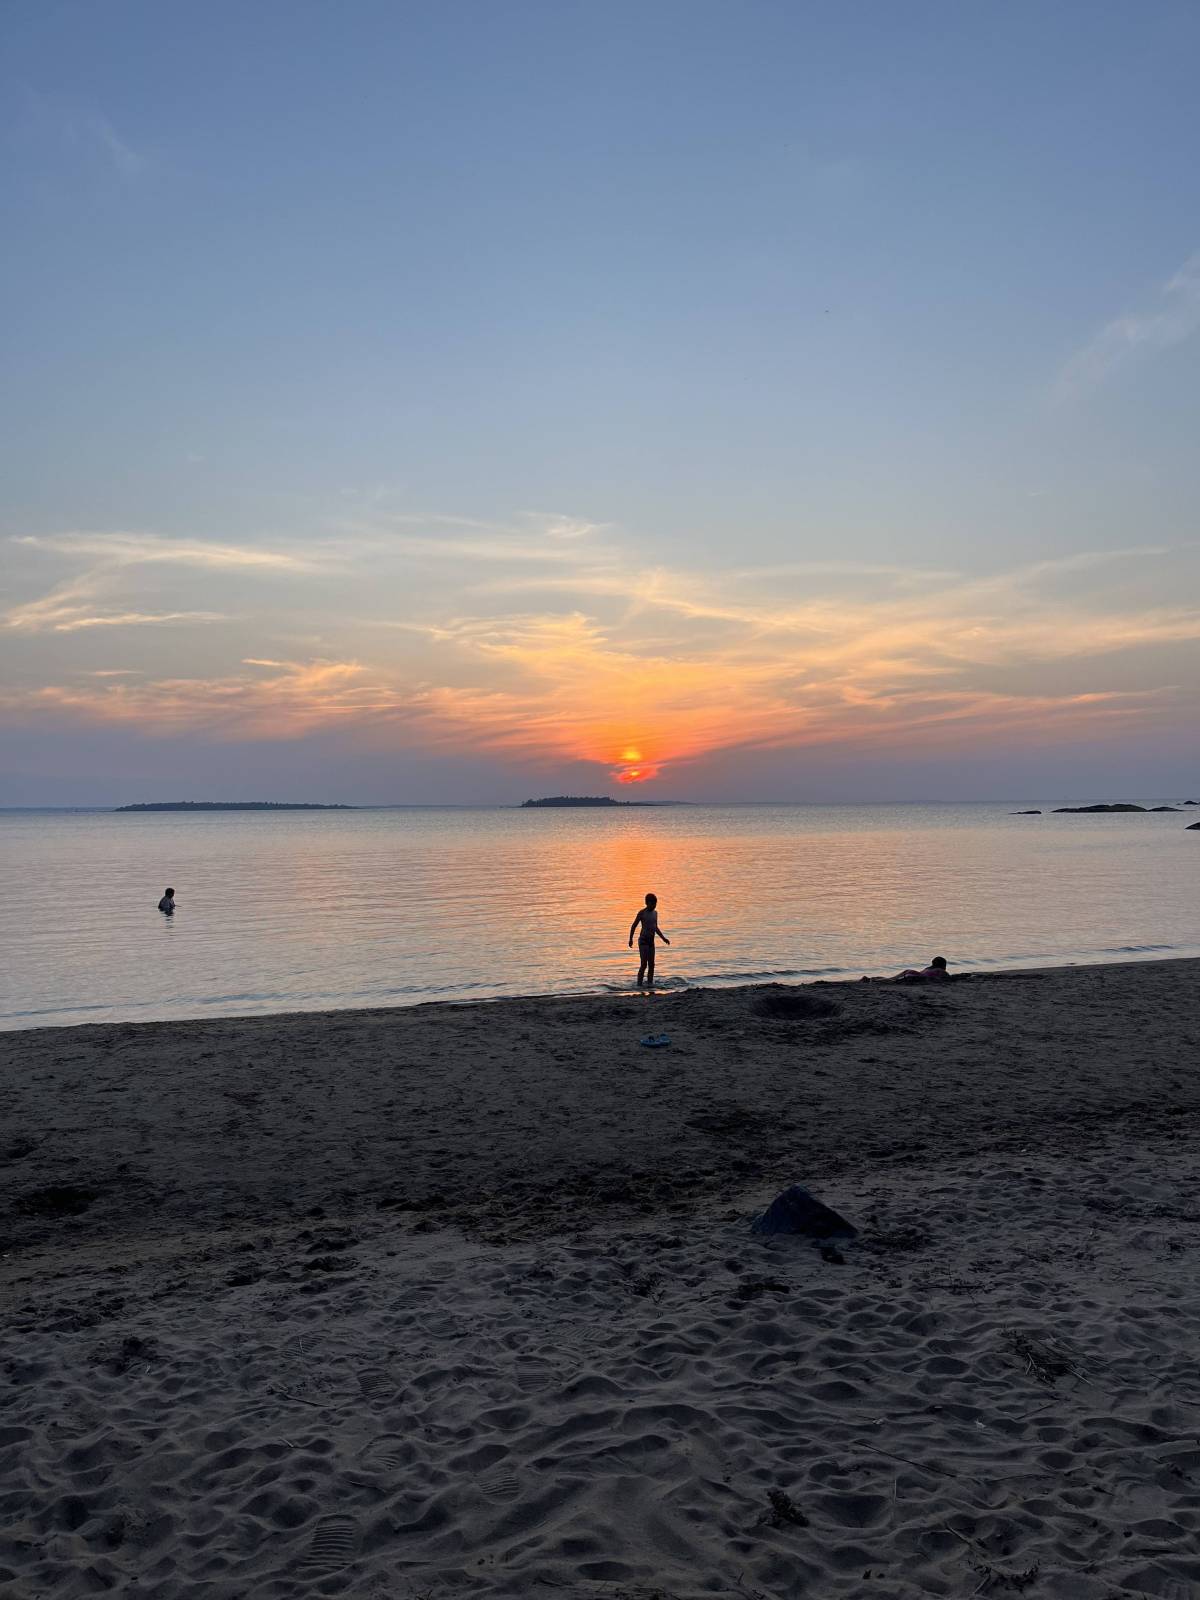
796,1006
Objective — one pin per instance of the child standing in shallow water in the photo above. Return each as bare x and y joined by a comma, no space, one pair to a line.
645,925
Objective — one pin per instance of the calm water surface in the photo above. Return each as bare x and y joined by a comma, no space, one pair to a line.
305,910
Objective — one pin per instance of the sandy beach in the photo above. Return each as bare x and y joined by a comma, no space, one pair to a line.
462,1300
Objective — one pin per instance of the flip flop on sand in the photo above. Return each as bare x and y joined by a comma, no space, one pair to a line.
654,1041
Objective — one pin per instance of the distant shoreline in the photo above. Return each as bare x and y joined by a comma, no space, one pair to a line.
570,802
232,805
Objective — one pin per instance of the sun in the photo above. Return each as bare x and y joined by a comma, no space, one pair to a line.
632,766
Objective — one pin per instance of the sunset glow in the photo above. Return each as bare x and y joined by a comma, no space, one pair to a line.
372,443
755,662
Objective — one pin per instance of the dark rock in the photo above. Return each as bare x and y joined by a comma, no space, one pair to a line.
797,1211
1024,813
1192,802
1192,827
1080,810
1164,808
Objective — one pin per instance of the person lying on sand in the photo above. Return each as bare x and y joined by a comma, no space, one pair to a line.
936,970
645,925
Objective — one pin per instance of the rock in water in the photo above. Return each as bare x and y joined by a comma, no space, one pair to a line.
1080,811
797,1211
1192,827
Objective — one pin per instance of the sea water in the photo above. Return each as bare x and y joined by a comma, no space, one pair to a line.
307,910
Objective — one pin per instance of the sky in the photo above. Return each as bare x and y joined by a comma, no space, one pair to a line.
474,399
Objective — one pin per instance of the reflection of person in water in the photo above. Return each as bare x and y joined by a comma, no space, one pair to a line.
167,903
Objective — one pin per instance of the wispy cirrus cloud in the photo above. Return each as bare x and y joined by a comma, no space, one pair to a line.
100,594
80,604
92,128
293,699
82,133
1172,318
141,549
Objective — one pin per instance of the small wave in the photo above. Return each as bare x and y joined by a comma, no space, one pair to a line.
629,987
55,1011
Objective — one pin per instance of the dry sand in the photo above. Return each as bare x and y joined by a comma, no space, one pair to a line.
461,1300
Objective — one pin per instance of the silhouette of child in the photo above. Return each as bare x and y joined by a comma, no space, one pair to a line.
645,925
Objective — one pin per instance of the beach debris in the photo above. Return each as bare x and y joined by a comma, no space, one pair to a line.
908,1236
991,1576
1044,1359
782,1512
798,1211
751,1288
118,1356
645,1284
655,1041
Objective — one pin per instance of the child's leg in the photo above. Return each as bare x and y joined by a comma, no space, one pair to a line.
650,965
641,968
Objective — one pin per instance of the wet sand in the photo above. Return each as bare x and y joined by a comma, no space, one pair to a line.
462,1299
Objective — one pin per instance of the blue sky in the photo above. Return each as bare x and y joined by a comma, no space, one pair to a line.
432,402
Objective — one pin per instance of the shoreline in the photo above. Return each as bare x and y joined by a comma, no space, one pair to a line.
672,985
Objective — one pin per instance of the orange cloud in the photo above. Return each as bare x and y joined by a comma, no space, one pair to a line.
298,698
642,672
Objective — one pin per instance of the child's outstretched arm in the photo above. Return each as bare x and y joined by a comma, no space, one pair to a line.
662,936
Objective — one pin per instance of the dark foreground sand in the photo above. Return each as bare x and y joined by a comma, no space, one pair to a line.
461,1300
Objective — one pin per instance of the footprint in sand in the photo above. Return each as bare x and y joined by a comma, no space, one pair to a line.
500,1486
384,1457
334,1542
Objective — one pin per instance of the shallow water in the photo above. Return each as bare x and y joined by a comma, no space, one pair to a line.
307,910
